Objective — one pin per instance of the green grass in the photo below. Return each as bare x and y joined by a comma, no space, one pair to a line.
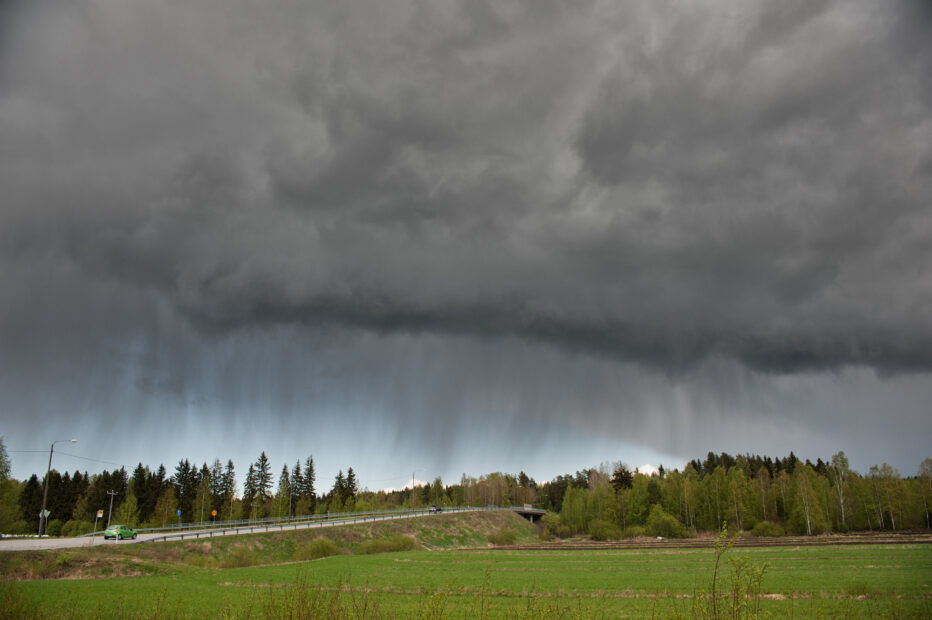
843,581
116,560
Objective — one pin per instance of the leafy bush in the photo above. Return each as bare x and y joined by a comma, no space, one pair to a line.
54,528
318,548
396,542
660,523
603,530
76,528
503,537
634,531
24,528
554,526
766,528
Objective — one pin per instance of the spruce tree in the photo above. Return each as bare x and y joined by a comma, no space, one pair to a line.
140,488
263,478
622,477
351,485
339,487
249,491
186,479
229,488
216,485
297,482
309,492
283,496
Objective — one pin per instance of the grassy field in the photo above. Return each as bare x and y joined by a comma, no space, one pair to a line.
803,582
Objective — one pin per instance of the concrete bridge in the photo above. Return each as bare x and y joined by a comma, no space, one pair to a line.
528,512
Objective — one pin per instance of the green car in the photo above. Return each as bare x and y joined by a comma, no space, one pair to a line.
119,532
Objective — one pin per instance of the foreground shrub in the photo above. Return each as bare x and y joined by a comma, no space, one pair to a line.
661,523
603,530
503,538
23,528
54,528
240,557
735,590
76,528
768,529
554,526
396,542
318,548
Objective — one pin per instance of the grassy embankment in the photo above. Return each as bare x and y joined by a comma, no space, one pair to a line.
443,531
852,581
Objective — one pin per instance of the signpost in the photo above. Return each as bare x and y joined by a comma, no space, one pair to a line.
100,513
178,512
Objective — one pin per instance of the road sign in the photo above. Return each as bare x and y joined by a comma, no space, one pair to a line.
45,513
178,512
213,513
100,514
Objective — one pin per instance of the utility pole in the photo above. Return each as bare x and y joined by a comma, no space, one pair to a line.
110,512
43,517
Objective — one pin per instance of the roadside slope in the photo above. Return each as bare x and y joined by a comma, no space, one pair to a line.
443,531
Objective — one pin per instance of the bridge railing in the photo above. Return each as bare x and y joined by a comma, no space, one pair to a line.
223,525
341,519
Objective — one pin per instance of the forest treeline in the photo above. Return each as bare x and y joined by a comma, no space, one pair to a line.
756,494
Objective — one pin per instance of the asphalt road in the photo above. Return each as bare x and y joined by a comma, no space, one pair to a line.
38,544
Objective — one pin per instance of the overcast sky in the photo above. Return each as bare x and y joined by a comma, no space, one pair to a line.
455,236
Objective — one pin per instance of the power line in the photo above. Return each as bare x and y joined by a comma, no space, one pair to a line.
90,459
86,458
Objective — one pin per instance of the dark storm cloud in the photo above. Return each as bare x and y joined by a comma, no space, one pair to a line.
650,181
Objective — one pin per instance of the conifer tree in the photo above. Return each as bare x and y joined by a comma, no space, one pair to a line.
622,477
249,491
216,485
283,496
339,487
186,480
352,486
229,488
297,483
263,478
140,488
309,492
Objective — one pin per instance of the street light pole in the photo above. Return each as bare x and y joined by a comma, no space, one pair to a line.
45,494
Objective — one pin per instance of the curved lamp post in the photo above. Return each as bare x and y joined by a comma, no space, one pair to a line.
45,495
